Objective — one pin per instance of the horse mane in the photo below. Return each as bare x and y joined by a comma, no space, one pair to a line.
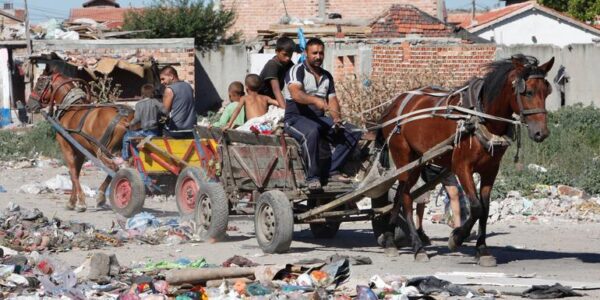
498,71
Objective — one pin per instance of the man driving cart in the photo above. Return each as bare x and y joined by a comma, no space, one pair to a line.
309,93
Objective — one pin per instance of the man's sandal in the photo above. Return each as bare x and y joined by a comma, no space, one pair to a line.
340,178
314,184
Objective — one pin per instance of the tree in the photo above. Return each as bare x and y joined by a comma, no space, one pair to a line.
184,18
584,10
560,5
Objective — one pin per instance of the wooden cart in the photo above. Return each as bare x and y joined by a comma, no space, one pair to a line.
271,169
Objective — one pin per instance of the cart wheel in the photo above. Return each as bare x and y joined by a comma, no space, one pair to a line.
187,189
127,192
212,211
274,222
323,230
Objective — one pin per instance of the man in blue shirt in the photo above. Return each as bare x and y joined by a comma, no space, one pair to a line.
310,92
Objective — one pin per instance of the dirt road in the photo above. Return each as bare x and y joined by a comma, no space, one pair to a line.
555,249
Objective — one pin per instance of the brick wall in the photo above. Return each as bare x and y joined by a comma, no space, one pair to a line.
166,52
253,15
451,64
344,66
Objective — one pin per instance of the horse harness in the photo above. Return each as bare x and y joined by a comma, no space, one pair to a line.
72,99
102,144
470,102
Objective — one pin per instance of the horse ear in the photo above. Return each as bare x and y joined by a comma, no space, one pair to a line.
547,66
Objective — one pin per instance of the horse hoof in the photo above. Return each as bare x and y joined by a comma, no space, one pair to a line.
487,261
391,252
421,256
80,208
452,246
101,203
70,206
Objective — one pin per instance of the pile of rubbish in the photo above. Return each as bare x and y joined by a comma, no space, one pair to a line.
24,163
29,230
102,277
59,184
35,276
545,202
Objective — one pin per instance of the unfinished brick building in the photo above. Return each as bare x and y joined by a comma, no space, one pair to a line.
253,15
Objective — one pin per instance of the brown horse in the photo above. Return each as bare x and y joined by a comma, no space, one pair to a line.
515,85
98,128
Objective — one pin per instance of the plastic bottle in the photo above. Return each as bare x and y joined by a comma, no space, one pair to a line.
365,293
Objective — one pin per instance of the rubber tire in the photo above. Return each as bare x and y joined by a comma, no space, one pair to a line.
283,222
195,174
219,218
138,192
323,230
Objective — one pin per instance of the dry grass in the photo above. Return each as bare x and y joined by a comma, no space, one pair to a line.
364,99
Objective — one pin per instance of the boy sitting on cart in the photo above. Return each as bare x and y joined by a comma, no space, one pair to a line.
255,106
148,113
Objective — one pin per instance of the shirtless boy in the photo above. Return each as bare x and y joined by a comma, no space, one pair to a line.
255,105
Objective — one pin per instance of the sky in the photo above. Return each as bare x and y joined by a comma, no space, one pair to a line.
45,9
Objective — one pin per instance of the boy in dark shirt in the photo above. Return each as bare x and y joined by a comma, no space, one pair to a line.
147,113
274,71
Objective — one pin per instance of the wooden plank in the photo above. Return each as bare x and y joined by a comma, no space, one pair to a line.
387,180
269,170
245,167
151,147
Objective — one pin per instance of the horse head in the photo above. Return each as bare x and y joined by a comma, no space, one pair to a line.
51,89
42,91
531,88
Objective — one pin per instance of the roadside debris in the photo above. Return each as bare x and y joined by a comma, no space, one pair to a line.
100,276
546,201
29,230
550,292
60,184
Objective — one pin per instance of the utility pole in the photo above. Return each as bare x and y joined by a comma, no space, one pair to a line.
27,35
472,11
28,87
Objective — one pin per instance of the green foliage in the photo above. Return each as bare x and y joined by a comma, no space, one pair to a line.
40,140
199,19
571,154
560,5
584,10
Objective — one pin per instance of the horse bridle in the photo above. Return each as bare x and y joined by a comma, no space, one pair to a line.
520,87
48,80
38,94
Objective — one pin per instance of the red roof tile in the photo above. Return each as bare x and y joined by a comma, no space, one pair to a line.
20,14
488,18
401,20
464,19
112,16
